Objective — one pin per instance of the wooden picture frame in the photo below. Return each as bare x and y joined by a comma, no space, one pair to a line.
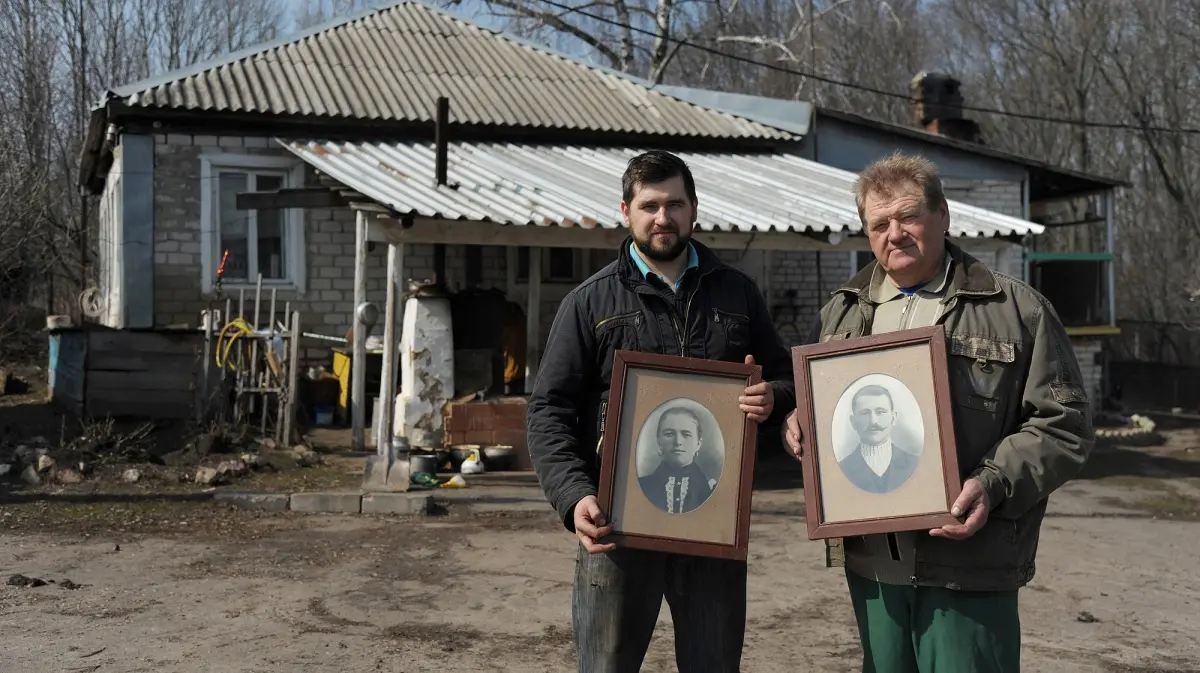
883,403
671,423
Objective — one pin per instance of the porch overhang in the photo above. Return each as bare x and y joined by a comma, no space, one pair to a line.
775,201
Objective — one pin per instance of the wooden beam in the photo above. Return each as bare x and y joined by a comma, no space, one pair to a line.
358,362
304,197
533,319
469,232
387,382
390,230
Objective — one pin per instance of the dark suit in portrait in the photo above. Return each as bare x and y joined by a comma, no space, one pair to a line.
899,469
873,416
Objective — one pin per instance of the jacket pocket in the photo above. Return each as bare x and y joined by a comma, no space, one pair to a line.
615,333
728,335
980,371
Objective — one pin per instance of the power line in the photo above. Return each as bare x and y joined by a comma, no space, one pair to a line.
864,88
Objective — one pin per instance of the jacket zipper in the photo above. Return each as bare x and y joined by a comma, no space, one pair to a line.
603,418
637,318
687,309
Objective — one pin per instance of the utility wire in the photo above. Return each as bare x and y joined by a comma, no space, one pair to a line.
863,88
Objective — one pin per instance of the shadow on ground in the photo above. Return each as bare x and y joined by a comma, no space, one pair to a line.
1108,460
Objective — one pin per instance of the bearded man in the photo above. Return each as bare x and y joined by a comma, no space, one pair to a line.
666,293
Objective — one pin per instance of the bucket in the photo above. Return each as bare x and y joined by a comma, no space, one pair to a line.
324,415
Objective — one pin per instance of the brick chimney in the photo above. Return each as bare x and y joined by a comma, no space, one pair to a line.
937,107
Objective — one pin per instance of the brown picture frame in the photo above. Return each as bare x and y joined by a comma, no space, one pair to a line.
720,526
819,444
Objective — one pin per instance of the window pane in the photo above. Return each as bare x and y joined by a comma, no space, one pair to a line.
271,262
562,263
233,226
522,263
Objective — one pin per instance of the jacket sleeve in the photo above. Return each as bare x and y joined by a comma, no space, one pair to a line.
1056,437
773,356
552,432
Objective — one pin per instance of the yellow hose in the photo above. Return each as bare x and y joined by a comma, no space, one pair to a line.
240,327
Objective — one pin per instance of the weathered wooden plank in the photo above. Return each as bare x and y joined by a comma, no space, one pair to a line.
68,352
140,362
142,342
163,380
301,197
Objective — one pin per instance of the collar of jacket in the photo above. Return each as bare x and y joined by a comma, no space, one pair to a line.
632,277
969,277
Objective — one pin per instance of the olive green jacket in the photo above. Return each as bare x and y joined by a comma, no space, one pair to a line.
1022,418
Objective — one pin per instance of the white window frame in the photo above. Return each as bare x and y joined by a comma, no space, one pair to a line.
211,166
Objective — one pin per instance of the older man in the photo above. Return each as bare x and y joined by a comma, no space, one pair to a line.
945,601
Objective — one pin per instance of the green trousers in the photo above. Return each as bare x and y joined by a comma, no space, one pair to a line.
907,629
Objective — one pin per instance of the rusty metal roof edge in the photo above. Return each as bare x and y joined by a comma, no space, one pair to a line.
128,90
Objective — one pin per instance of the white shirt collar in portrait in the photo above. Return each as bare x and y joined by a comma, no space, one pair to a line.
878,457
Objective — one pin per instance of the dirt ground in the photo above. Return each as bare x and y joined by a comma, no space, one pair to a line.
173,585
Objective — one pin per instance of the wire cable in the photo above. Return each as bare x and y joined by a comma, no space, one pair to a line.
864,88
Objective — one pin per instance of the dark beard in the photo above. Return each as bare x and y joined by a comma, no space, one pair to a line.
663,255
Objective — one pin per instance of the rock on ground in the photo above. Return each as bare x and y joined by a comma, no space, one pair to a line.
207,476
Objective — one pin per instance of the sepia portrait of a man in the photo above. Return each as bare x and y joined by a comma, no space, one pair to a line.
880,461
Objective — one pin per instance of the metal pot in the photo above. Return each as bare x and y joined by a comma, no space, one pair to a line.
459,453
422,462
499,458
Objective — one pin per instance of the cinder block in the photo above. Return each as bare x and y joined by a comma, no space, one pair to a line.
334,503
262,502
396,503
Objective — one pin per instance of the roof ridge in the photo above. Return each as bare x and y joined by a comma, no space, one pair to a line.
381,8
254,49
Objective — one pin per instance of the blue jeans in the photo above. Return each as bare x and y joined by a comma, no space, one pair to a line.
617,597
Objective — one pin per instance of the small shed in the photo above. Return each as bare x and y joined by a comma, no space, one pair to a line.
157,374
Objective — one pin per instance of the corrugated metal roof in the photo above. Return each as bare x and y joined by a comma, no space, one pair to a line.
581,186
391,64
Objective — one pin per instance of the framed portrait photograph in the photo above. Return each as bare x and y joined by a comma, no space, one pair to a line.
879,449
677,458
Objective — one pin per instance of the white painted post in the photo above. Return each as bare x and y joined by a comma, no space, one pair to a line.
387,381
358,370
533,318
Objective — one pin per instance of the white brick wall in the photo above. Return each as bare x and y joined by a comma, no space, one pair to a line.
798,283
999,196
327,303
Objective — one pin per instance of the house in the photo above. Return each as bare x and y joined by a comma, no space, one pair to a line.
1080,283
411,138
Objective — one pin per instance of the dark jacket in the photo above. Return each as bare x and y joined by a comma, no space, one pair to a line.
1022,418
718,314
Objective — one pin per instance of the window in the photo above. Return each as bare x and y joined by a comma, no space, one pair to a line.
1076,284
559,265
267,242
